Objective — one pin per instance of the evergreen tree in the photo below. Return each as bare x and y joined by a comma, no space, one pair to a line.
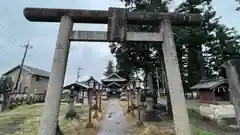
238,8
191,40
110,69
226,47
201,49
137,56
6,85
132,57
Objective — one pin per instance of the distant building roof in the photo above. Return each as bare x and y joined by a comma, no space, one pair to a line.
91,78
32,70
80,84
209,84
114,78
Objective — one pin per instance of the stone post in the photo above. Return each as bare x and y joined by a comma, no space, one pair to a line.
100,102
141,116
132,107
149,104
51,106
180,114
138,102
83,90
128,103
96,109
89,123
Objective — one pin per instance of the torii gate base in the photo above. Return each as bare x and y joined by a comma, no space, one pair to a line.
117,20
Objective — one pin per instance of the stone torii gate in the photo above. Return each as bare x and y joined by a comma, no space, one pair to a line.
117,20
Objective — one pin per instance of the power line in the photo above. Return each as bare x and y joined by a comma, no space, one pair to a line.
27,46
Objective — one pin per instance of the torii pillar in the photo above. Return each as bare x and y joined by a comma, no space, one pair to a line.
56,81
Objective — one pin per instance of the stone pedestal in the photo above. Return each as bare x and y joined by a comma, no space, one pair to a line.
151,114
70,109
149,103
142,111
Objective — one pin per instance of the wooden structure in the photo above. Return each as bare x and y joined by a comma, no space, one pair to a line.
96,83
213,91
114,85
79,87
117,19
215,101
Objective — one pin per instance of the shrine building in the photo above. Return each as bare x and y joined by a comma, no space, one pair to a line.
114,85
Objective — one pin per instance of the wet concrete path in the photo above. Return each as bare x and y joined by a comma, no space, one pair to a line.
115,122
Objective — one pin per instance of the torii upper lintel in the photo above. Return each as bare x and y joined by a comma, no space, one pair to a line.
102,16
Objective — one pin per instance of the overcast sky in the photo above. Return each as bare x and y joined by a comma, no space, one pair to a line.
15,30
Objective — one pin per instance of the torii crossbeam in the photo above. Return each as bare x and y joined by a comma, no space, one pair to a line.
117,20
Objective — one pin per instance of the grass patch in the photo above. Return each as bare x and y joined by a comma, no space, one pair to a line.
198,131
30,120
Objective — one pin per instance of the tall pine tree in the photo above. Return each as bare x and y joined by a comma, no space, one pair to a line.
201,50
110,69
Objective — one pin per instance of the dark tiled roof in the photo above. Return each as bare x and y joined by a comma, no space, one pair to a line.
37,71
209,84
82,85
91,78
32,70
114,78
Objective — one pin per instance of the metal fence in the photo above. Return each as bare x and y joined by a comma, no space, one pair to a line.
16,99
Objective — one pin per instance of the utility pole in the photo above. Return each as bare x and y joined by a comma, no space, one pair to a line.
78,74
27,46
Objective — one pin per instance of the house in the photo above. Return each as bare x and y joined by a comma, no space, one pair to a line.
114,84
32,80
215,100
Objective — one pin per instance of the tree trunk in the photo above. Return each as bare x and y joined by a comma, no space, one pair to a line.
154,91
195,70
150,102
